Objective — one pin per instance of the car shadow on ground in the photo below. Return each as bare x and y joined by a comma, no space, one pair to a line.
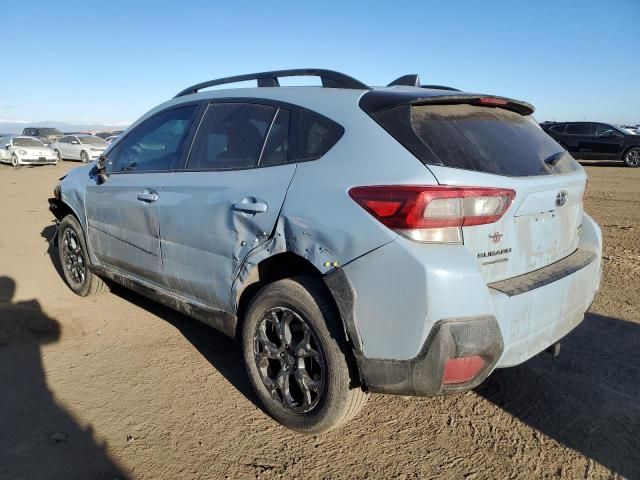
39,439
222,352
588,398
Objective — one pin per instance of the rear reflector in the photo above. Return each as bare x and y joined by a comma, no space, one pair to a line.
461,370
433,213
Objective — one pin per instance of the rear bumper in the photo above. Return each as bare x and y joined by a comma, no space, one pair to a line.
37,161
395,327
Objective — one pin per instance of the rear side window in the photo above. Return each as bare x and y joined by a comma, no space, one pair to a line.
155,143
558,128
231,136
483,139
317,135
276,150
578,129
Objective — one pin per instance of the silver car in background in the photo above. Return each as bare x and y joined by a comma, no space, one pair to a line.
19,150
83,147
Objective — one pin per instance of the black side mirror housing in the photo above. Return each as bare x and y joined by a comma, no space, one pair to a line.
101,168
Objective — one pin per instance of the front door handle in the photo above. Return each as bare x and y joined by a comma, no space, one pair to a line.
250,207
148,196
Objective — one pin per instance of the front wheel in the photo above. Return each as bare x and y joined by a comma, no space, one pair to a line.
57,152
14,160
632,157
84,158
74,258
297,358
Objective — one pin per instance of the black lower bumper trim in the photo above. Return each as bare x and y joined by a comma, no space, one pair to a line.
422,375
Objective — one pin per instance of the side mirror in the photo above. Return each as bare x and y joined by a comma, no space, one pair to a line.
6,147
101,167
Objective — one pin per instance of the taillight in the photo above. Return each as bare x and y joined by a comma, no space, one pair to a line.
493,101
433,213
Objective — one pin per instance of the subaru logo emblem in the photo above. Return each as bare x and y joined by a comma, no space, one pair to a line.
561,198
496,237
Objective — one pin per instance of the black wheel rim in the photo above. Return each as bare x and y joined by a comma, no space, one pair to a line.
289,359
633,157
73,257
83,157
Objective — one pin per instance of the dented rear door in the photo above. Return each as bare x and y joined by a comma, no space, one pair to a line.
226,200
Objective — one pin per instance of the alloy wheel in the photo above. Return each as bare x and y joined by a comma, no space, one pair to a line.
289,359
73,257
633,157
84,157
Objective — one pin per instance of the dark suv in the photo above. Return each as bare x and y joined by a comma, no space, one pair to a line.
46,135
596,141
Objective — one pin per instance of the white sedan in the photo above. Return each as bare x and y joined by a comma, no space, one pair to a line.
79,147
18,150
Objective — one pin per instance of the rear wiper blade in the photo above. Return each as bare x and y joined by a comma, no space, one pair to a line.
553,159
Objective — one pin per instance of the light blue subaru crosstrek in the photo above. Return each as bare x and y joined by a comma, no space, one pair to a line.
407,239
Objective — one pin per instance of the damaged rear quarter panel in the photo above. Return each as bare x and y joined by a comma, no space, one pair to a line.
319,221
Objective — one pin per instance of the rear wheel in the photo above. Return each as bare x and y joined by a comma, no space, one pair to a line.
297,357
84,158
72,251
632,157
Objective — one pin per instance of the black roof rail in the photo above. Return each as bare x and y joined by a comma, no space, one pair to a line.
413,80
329,78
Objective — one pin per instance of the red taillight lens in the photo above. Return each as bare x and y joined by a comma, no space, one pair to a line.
462,370
411,207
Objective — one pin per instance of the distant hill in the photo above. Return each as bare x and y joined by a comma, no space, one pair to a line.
17,127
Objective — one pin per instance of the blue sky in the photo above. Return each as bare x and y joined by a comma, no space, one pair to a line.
109,62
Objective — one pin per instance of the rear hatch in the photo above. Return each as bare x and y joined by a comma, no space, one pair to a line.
493,142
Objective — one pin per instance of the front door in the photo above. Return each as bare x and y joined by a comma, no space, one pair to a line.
122,213
226,200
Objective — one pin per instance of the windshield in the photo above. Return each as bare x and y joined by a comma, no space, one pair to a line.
27,142
49,131
92,141
483,139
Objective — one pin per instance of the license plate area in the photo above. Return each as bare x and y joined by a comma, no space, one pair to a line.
545,227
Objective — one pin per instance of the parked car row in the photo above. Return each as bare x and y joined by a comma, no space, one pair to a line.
596,141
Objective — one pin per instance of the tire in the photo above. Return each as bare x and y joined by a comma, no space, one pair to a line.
632,157
57,152
14,161
72,251
84,158
323,389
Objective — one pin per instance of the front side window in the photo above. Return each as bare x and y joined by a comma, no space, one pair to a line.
558,128
601,130
156,143
578,129
231,136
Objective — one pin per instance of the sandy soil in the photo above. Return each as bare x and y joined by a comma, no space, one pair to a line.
116,386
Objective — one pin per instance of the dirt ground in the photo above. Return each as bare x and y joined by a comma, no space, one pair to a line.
116,386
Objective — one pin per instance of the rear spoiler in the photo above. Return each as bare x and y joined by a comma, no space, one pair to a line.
518,106
382,99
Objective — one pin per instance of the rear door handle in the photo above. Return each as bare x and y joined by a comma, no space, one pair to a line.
250,207
148,196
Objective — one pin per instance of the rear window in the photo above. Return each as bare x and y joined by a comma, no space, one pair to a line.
483,139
